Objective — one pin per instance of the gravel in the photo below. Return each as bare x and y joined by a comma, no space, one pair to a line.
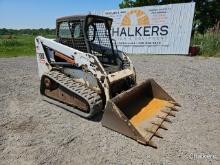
35,132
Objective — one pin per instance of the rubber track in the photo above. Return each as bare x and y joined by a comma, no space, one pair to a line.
93,99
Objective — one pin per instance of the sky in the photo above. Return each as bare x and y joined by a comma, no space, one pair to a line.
20,14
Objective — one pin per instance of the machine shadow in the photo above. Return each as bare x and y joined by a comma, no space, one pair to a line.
96,118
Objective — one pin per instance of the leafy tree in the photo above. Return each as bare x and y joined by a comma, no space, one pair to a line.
34,32
126,3
207,12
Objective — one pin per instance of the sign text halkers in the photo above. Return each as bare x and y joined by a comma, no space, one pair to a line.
139,31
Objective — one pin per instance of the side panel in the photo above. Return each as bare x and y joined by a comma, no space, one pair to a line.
42,62
83,77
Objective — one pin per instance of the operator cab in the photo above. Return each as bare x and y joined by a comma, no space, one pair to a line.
89,34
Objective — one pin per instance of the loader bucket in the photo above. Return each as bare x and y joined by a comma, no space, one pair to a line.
139,112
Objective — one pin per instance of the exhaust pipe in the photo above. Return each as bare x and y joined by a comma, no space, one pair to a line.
140,112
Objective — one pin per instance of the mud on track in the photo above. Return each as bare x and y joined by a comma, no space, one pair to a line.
35,132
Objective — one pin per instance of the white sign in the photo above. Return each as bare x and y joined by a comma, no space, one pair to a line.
162,29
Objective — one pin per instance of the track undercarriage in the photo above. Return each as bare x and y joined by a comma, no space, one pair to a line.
79,98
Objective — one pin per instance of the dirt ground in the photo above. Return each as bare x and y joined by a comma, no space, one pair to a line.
35,132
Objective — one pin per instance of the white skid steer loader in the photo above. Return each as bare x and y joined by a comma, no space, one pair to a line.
83,71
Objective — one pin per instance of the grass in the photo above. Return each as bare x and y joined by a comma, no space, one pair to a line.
17,45
208,43
23,45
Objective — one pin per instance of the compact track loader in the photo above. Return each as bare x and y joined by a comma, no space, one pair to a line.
83,71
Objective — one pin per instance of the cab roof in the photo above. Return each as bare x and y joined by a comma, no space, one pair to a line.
81,17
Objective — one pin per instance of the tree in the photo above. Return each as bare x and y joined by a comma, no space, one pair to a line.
34,32
126,3
207,12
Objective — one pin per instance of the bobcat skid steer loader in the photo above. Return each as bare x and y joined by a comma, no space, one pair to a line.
82,71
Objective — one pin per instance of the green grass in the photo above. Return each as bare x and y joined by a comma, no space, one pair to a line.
209,44
23,45
18,45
